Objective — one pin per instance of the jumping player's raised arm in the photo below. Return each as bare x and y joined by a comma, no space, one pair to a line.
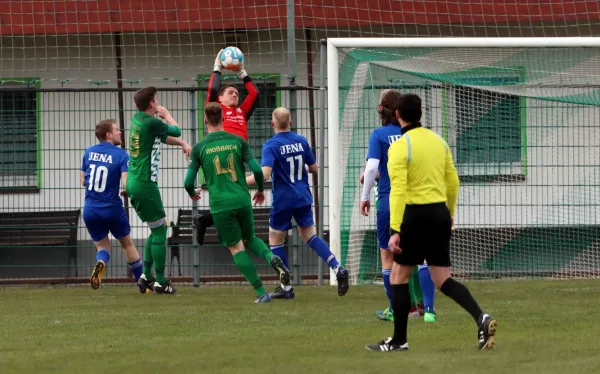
215,81
249,103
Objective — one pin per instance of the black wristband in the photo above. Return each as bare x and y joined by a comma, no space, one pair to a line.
392,232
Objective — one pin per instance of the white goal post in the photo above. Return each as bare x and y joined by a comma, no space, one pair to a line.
338,46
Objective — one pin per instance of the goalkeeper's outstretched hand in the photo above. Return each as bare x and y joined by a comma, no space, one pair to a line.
218,66
241,72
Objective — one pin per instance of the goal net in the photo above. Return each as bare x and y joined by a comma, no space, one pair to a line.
522,119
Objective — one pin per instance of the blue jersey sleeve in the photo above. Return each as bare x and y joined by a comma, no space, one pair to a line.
83,164
125,162
374,147
268,158
309,156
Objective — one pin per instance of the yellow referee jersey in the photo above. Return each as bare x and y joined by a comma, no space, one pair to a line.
421,171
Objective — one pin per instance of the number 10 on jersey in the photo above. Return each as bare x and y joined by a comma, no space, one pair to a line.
98,177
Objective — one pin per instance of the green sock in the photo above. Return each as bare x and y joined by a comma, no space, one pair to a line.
414,275
159,253
259,248
248,270
148,258
411,291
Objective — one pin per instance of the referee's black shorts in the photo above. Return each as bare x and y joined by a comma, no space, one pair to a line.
425,235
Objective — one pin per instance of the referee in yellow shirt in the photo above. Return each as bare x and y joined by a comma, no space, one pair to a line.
424,192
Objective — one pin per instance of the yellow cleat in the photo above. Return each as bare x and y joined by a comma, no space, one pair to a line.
96,278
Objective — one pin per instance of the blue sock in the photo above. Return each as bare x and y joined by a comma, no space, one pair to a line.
319,246
427,287
279,250
386,284
136,268
103,255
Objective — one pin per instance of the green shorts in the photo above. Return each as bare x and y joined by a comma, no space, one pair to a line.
234,225
145,199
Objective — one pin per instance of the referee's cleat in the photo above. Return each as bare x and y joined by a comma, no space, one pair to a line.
265,298
166,289
145,285
280,293
284,274
343,281
387,346
97,274
486,333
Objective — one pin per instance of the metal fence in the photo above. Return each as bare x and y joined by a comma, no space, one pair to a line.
44,133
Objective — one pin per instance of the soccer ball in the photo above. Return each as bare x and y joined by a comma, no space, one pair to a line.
232,58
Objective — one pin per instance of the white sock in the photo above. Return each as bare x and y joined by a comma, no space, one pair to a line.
286,288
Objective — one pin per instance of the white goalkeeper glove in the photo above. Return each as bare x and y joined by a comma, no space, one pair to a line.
241,72
218,65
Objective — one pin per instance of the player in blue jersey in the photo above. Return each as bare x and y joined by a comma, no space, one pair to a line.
103,169
377,158
284,158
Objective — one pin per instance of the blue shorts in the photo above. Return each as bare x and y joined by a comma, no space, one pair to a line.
101,221
383,229
282,219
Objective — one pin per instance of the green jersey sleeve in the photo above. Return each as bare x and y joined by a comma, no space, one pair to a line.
246,154
159,128
192,172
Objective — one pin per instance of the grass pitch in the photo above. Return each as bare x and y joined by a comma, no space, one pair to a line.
544,327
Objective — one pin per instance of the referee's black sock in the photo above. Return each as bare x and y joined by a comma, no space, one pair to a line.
460,293
401,308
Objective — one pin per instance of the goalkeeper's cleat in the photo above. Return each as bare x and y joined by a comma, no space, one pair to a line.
486,333
264,298
387,346
343,281
385,315
166,289
145,285
97,274
284,274
280,293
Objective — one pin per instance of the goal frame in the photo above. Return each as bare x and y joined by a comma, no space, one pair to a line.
333,96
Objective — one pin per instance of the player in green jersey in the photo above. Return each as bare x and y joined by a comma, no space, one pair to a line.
145,137
222,156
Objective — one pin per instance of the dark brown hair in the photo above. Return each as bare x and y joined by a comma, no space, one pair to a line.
103,128
387,106
223,88
409,108
143,98
213,114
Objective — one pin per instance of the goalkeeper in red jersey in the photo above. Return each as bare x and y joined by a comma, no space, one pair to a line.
235,118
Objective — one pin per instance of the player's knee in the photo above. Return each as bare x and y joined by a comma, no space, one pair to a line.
387,258
439,275
159,234
276,237
307,232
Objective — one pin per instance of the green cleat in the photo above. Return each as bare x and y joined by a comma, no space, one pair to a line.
385,315
429,317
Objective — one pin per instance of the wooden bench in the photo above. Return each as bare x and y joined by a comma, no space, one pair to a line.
182,231
58,229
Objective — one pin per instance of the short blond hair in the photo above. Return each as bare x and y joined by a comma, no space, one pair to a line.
281,118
